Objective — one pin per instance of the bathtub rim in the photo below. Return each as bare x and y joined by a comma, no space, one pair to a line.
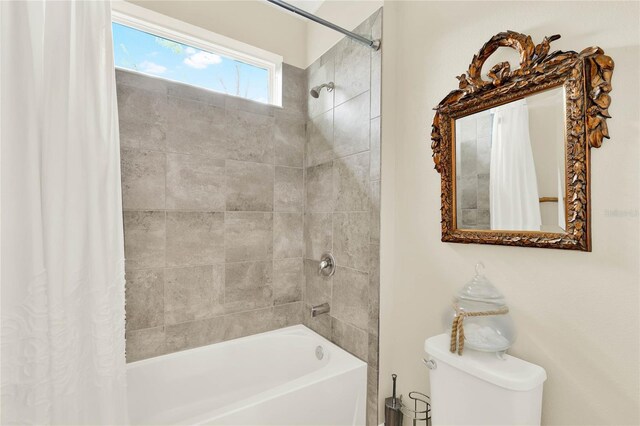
344,363
284,330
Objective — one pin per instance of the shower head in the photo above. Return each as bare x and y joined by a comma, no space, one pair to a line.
315,91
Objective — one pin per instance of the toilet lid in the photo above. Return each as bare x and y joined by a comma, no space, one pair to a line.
509,372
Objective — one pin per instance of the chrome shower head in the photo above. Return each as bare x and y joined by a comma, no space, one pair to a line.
315,91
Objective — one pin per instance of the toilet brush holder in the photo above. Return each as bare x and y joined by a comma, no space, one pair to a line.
393,407
393,411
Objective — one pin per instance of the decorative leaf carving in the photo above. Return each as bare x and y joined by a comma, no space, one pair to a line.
586,78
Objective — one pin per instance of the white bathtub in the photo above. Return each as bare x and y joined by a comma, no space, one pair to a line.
273,378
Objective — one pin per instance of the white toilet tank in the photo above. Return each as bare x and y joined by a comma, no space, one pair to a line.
478,388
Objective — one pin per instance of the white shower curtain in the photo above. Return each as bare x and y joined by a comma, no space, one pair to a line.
513,194
62,293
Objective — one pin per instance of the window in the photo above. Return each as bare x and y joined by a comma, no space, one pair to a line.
147,42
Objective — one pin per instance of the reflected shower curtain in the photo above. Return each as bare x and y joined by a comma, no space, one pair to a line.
513,195
62,292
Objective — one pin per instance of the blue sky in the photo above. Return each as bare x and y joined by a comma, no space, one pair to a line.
146,53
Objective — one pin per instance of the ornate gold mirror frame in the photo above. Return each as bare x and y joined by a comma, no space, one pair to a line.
586,77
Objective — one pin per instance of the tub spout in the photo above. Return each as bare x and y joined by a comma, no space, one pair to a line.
320,309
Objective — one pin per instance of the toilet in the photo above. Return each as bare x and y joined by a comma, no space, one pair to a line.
480,388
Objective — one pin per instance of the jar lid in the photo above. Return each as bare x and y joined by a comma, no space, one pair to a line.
480,289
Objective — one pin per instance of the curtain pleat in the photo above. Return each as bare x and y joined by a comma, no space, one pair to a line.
62,294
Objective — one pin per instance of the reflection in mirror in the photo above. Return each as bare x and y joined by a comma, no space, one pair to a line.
510,166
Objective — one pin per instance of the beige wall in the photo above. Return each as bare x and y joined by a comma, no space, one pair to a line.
345,13
577,313
251,21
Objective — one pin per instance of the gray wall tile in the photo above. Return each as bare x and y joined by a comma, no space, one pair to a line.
373,350
195,238
374,289
195,333
318,235
141,81
317,288
146,343
350,182
468,191
144,239
484,218
294,91
484,155
483,192
195,183
247,323
287,315
289,138
350,338
351,126
144,298
248,285
288,276
192,93
193,293
142,117
372,396
249,186
196,128
289,190
143,175
351,240
469,217
319,192
287,235
353,67
237,103
375,212
376,82
374,154
320,139
350,297
250,136
248,236
468,158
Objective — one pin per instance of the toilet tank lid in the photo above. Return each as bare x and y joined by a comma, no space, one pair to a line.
509,373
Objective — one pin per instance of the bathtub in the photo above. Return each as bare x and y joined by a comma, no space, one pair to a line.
273,378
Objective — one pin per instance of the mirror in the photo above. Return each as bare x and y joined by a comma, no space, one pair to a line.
512,145
510,166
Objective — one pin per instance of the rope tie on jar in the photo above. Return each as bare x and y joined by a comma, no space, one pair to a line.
457,326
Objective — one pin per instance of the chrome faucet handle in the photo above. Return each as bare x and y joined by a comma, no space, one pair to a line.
327,265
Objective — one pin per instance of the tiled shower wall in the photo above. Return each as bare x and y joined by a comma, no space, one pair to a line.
342,199
473,163
213,212
224,197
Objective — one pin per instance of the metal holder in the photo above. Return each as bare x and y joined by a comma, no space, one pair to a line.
421,411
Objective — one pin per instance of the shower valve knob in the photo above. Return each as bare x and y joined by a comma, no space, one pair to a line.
327,266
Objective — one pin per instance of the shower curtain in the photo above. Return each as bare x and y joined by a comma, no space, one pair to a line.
513,193
62,260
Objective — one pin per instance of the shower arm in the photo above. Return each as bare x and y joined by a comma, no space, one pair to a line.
374,44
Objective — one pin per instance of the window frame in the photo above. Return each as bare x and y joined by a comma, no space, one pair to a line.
157,24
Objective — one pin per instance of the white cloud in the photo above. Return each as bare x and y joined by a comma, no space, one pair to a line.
152,67
200,59
190,50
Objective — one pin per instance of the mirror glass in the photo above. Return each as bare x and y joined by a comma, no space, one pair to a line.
510,166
